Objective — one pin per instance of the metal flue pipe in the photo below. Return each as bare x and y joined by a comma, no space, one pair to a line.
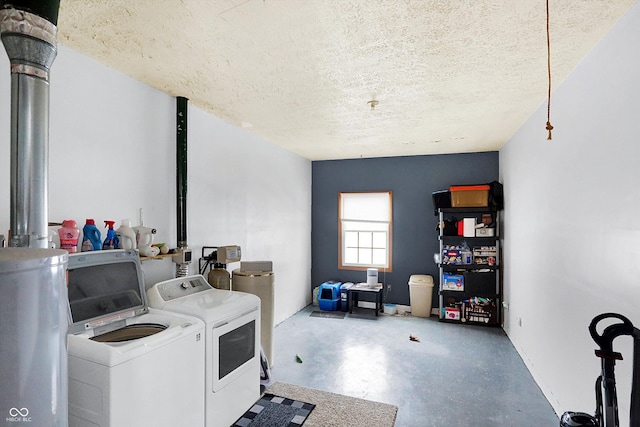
182,267
181,169
28,31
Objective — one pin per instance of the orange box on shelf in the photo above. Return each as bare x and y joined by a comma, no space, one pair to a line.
469,196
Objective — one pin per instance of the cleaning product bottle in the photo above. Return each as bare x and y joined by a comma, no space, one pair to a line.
91,239
111,241
144,240
69,236
126,235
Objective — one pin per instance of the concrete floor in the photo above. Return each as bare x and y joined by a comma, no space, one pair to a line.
456,375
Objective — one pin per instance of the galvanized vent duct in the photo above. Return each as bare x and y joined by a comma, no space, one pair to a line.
28,31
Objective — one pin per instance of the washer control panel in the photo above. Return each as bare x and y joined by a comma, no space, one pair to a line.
177,288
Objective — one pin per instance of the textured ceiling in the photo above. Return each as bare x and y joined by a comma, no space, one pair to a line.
449,76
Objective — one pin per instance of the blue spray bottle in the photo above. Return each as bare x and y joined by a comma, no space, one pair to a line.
111,242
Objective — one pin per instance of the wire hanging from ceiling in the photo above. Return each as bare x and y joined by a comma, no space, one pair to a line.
549,127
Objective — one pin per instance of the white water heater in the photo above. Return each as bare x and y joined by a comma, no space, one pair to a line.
35,321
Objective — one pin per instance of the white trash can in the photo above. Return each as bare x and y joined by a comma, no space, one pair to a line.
420,292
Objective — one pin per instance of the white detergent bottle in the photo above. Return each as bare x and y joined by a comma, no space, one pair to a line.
126,235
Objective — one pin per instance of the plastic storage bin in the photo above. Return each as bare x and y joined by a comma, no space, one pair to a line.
441,199
469,196
420,294
329,296
344,296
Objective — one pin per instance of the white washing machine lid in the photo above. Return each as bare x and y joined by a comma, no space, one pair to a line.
176,328
105,288
194,296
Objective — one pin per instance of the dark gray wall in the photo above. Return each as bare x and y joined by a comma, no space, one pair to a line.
412,180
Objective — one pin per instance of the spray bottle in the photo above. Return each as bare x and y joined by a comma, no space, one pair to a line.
111,241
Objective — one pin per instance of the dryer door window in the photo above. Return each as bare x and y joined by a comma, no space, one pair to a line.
236,348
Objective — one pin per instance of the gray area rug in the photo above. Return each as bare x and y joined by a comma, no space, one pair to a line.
328,314
336,410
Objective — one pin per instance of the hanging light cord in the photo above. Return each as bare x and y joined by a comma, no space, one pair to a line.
549,127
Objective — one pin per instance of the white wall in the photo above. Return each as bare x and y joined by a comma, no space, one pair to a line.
112,152
572,228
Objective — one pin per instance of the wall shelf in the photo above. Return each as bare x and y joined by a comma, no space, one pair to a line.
147,258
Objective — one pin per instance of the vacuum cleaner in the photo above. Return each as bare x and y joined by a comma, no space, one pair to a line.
606,414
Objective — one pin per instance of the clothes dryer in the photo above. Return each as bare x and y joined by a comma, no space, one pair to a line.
232,337
129,365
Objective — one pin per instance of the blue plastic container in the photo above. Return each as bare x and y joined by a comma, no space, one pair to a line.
91,239
329,295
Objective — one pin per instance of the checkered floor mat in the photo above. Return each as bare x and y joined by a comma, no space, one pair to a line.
275,411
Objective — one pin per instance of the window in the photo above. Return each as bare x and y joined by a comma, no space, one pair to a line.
365,225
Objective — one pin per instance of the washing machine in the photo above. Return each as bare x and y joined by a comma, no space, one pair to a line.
128,364
232,340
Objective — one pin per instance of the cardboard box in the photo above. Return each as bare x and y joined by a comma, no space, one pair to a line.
452,313
452,255
485,232
452,282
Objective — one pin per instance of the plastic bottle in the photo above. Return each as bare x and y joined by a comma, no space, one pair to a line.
111,241
91,239
144,240
126,235
69,236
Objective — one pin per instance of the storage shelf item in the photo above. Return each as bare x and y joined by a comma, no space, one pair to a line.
479,240
471,267
469,289
465,196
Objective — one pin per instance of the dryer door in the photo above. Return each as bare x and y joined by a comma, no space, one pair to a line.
235,348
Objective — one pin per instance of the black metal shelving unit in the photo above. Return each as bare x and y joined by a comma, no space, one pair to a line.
478,300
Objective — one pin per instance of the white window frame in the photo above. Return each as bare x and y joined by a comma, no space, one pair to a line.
365,225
